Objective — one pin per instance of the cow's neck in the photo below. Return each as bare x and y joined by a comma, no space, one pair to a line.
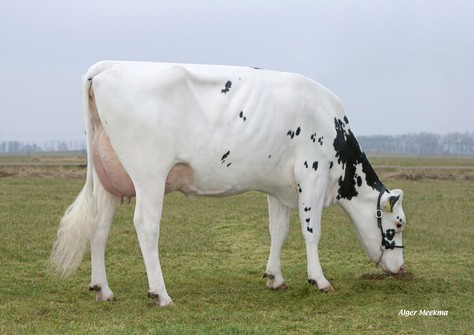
360,202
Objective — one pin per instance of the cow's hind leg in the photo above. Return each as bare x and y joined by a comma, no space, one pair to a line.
279,216
107,204
311,203
147,224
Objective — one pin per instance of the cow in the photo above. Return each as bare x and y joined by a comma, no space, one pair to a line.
205,130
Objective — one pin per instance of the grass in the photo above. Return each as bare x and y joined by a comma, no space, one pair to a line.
214,253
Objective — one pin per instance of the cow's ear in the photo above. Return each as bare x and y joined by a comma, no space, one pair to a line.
390,200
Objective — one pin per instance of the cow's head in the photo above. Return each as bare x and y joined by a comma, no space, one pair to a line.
386,250
379,227
391,221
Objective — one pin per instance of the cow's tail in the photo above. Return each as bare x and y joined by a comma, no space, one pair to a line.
80,219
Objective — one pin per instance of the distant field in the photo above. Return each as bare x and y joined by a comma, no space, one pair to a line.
214,252
404,167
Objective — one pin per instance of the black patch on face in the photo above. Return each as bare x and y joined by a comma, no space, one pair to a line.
227,87
392,200
241,115
349,155
315,166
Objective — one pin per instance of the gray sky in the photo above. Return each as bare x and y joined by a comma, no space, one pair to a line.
400,66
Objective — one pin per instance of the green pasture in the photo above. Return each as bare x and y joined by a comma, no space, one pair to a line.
214,253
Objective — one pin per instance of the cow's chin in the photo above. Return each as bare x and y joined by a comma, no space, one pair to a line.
392,262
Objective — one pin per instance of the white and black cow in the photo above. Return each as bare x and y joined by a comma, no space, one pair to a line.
205,130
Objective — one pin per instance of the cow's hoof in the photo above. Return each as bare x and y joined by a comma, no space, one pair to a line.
282,286
275,282
327,289
102,294
162,301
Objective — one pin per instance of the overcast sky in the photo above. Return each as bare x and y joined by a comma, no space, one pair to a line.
399,66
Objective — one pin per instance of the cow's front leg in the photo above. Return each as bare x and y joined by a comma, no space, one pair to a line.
147,224
310,210
279,216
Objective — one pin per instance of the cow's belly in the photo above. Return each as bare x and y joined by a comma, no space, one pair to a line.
198,180
181,177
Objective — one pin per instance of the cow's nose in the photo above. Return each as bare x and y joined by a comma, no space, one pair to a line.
402,269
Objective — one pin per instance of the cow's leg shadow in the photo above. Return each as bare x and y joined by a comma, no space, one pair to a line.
279,217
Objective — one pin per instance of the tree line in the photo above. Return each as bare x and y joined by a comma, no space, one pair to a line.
422,144
13,147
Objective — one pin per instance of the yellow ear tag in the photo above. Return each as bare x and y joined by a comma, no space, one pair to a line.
388,208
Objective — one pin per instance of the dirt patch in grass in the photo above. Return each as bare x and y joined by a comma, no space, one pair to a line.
434,174
382,276
78,172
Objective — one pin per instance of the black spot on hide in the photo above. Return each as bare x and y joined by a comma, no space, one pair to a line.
224,156
299,188
309,229
241,115
306,164
320,140
331,164
315,166
307,209
349,155
293,133
227,87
